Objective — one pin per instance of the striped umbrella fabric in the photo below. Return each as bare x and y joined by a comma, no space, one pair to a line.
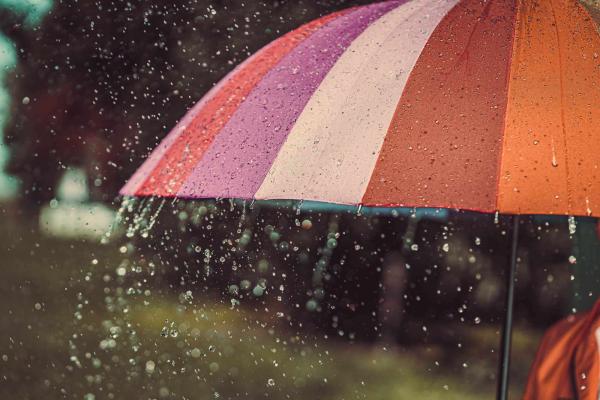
476,105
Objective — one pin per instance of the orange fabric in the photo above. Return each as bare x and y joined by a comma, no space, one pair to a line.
567,364
443,144
551,153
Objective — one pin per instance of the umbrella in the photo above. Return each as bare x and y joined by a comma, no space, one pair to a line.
477,105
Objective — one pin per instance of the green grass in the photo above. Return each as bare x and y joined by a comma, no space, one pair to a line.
56,325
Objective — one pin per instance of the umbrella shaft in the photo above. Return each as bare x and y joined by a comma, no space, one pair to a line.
504,366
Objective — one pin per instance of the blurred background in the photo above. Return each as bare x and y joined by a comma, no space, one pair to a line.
104,299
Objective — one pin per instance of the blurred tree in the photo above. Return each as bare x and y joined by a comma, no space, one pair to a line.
30,12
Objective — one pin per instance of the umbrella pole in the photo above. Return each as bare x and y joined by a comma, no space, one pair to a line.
504,365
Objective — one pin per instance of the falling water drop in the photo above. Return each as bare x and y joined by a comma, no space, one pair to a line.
299,207
554,160
306,224
126,203
572,225
243,217
153,218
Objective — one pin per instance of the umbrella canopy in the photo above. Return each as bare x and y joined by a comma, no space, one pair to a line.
478,105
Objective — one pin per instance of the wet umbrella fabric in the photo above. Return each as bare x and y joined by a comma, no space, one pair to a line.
476,105
486,106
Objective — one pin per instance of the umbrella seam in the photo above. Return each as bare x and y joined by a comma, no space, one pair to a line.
362,68
508,85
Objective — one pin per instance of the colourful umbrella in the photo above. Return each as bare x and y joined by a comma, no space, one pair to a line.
476,105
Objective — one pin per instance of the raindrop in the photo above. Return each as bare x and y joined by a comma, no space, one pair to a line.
572,225
258,290
311,305
263,266
214,367
554,160
195,353
233,289
245,284
150,366
153,218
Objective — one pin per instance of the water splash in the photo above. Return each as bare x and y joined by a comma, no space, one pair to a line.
299,207
126,205
153,218
359,210
139,217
